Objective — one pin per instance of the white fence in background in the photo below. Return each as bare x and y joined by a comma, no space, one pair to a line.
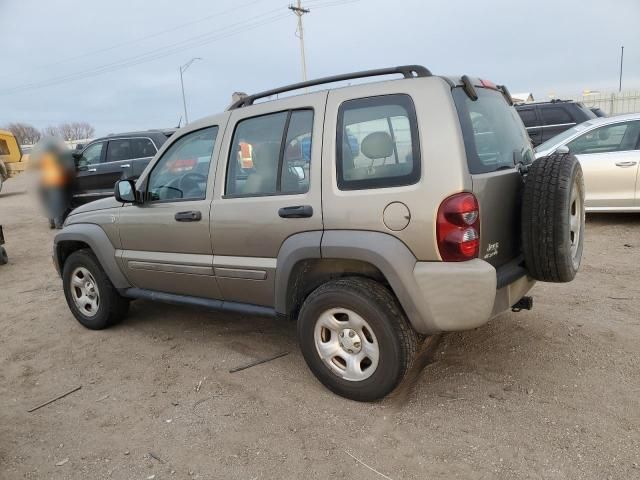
613,103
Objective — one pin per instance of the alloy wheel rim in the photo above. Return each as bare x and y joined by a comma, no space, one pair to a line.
346,344
84,291
576,220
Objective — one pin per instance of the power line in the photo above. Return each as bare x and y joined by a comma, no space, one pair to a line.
139,39
155,54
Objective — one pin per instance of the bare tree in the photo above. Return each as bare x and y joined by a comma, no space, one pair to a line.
51,131
83,130
25,133
66,132
76,131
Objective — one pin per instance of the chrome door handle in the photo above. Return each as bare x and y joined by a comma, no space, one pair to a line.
125,166
92,170
629,163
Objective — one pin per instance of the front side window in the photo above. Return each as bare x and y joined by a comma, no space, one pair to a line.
271,155
92,154
183,170
610,138
377,143
555,116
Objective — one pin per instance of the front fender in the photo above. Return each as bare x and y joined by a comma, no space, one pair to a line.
96,238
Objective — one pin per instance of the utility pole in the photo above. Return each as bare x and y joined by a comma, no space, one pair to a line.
183,68
299,11
621,60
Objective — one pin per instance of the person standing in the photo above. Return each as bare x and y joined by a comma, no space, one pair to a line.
57,173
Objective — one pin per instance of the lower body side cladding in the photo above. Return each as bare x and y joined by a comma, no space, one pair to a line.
436,296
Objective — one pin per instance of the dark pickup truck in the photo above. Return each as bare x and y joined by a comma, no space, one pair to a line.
104,161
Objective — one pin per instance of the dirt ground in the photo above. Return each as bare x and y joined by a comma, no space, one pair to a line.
553,393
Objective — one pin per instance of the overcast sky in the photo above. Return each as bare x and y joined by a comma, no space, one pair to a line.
115,63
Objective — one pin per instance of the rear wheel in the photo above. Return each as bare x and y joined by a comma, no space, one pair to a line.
4,258
91,296
553,217
355,338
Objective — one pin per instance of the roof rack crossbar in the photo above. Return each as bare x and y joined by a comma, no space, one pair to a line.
408,71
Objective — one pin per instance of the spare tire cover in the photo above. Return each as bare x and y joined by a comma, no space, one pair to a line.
553,218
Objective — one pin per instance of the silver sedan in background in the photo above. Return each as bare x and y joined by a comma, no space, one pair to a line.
608,149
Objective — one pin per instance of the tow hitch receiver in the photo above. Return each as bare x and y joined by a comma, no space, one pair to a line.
525,303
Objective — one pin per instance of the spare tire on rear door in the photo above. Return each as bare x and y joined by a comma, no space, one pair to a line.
553,218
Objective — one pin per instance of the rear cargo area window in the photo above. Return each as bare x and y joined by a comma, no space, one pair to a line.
494,136
377,143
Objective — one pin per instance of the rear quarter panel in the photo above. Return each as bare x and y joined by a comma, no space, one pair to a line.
443,169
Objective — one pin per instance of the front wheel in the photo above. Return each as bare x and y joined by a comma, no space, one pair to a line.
91,296
355,338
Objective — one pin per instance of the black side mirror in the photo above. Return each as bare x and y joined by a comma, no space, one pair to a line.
76,155
125,191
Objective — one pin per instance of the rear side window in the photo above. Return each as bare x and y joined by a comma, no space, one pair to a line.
494,137
270,155
142,147
377,143
529,117
555,116
119,150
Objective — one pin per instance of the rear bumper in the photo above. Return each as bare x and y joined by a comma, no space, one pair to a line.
464,295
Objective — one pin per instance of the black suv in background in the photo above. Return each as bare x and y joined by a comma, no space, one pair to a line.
104,161
547,119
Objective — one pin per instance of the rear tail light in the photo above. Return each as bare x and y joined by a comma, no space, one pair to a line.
458,228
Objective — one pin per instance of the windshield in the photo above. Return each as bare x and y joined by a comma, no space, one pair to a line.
561,137
494,136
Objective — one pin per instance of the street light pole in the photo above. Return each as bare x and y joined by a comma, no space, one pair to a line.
183,69
621,60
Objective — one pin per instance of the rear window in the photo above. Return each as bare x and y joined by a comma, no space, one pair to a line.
494,136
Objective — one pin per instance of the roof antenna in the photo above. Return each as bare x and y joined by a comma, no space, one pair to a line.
179,122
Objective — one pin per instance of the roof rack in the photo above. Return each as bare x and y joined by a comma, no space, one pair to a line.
408,71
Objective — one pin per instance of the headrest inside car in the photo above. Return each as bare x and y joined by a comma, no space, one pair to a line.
377,145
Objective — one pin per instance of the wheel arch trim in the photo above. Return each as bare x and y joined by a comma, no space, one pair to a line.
96,238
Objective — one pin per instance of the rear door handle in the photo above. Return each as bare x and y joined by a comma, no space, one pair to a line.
92,170
125,166
629,163
298,211
190,216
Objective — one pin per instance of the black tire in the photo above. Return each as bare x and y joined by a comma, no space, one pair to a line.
112,307
4,258
553,194
396,339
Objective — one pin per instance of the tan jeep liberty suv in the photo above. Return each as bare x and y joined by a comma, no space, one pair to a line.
373,214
